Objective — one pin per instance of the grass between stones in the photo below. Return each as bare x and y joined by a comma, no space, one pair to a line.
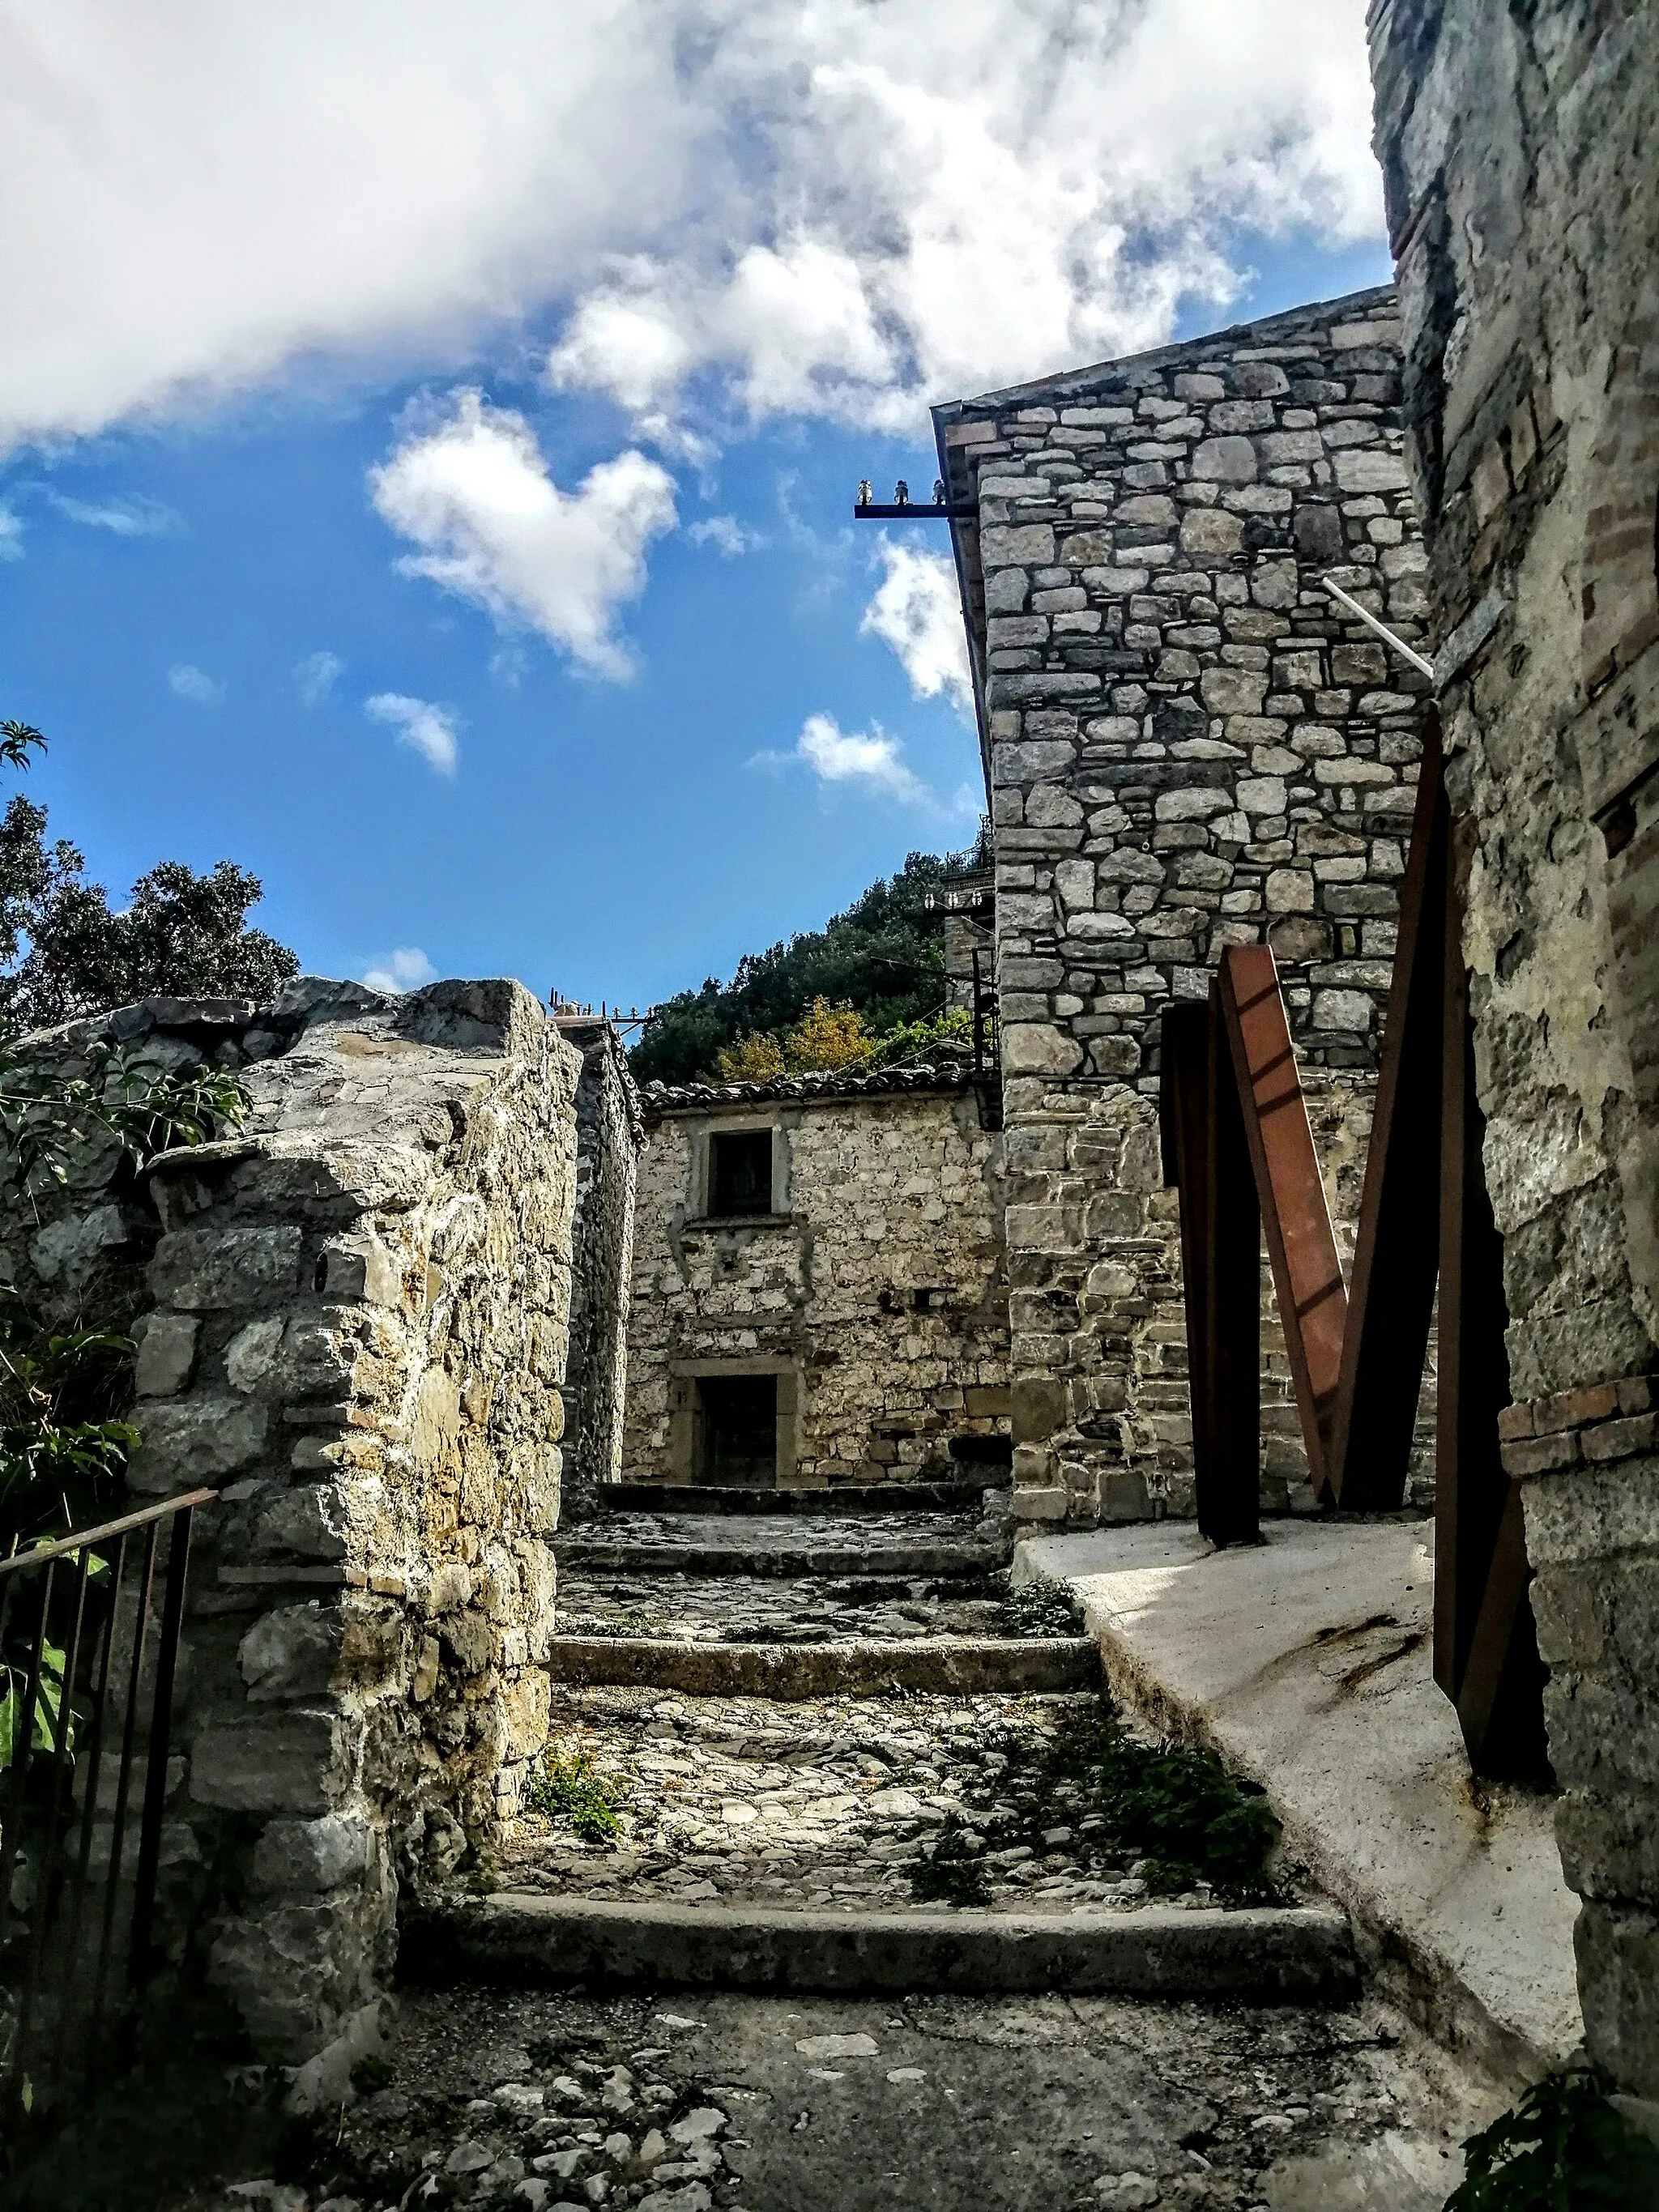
567,1786
1186,1822
1040,1608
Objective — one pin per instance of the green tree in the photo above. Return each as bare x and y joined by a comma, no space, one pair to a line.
884,957
64,952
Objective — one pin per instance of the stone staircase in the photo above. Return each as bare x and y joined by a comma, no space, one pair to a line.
838,1742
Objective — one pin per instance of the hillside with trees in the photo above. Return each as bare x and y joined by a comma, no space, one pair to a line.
830,996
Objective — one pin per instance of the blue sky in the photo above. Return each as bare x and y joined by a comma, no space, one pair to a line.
189,539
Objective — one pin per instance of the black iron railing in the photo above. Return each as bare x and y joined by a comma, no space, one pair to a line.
89,1652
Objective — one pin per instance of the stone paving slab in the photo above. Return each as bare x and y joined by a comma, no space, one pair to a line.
937,1665
1271,1955
900,1544
861,1498
915,2104
778,1608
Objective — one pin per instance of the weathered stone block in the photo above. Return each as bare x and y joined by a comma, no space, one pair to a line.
187,1441
166,1354
204,1269
295,1762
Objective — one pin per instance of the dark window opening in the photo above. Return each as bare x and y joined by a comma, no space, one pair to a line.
738,1428
740,1171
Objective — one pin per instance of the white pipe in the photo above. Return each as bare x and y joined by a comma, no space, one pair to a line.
1423,667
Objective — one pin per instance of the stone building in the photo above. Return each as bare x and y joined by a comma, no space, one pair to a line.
1518,151
819,1294
1187,743
609,1135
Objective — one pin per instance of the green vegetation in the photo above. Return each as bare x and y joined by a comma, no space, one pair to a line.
1562,2148
567,1787
64,1383
1041,1607
954,1874
63,953
1178,1814
882,959
1178,1810
48,1119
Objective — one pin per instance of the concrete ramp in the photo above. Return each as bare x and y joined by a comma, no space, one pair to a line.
1306,1663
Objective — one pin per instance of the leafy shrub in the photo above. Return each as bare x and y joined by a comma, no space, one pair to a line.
63,1384
1041,1607
65,953
948,1034
49,1117
955,1874
1562,2148
1178,1810
567,1787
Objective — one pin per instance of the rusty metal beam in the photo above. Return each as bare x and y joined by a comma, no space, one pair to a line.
1230,1505
1486,1654
1183,1120
1313,1301
1397,1253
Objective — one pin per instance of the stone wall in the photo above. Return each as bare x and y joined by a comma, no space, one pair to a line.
609,1135
356,1333
1187,745
1517,148
875,1290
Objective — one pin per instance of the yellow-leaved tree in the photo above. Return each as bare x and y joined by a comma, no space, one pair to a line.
828,1037
757,1059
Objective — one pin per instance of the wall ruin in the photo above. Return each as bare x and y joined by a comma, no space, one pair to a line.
356,1333
875,1289
1516,145
609,1135
1187,745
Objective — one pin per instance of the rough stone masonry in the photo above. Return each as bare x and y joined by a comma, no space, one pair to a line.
1517,148
1187,744
872,1286
356,1331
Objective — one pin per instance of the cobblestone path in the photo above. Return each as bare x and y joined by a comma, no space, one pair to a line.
872,1808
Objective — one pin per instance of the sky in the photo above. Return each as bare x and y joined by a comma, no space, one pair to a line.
429,433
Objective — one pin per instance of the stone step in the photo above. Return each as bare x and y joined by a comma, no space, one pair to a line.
936,1665
800,1608
1299,1955
902,1545
852,1499
844,1801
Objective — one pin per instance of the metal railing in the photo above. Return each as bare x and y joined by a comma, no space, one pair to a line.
88,1654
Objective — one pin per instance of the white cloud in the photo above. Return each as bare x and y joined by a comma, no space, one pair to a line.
840,208
136,516
867,757
917,609
475,492
188,682
406,969
430,730
725,534
315,677
11,535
